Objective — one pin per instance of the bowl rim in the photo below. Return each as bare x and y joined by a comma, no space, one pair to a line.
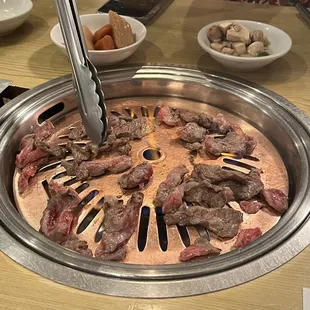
105,51
22,14
215,53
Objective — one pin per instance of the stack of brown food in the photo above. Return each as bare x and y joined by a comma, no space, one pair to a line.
116,34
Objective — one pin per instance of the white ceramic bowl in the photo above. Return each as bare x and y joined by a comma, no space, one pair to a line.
104,57
280,44
13,13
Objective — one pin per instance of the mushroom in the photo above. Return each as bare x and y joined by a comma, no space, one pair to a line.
257,36
218,46
239,47
255,48
238,33
224,27
215,34
228,51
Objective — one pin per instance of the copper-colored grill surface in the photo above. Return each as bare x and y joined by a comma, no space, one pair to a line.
32,203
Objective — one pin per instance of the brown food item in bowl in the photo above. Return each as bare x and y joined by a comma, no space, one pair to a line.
88,38
102,32
122,33
106,43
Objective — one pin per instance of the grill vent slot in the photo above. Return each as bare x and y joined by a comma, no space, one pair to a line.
184,235
143,228
144,111
131,113
52,111
82,188
87,220
162,229
238,163
45,186
86,200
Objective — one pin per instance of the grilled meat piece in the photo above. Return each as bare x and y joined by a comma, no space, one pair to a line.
89,169
52,150
133,129
169,116
236,142
174,178
77,133
192,132
44,130
246,236
220,124
174,200
28,172
29,153
193,146
115,145
222,222
201,247
252,206
276,199
119,222
59,218
137,177
206,194
244,186
79,154
74,244
189,116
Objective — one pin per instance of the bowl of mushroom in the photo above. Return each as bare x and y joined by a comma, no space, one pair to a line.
242,44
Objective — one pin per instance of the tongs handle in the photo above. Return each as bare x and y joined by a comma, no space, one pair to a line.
91,98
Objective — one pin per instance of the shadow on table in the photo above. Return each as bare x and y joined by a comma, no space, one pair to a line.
25,31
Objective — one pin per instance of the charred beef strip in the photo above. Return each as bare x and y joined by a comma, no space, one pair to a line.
174,200
44,130
59,217
77,133
79,154
137,177
174,178
169,116
244,186
88,169
192,132
133,128
236,142
29,153
205,194
28,172
220,124
53,150
119,222
201,247
31,158
80,246
115,145
276,199
246,236
190,117
222,222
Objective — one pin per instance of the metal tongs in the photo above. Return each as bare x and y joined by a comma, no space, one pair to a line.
92,106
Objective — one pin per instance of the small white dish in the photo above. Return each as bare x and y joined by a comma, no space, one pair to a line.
13,13
104,57
280,44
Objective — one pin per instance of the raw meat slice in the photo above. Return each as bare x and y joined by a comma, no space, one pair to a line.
246,236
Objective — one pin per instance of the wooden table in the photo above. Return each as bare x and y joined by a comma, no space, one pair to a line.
29,58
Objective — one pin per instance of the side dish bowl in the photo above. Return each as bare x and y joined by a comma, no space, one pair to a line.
280,44
103,57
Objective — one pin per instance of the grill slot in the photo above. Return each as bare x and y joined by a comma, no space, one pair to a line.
161,229
87,220
131,113
184,235
145,111
52,111
143,227
45,186
90,196
238,163
81,188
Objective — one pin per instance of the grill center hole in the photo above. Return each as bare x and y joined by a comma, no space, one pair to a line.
152,154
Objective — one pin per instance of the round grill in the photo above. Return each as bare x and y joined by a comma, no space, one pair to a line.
282,133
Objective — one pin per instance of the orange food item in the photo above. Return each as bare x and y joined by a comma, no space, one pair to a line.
88,38
122,32
106,43
103,31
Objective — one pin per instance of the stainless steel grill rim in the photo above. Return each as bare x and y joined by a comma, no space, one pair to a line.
296,123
